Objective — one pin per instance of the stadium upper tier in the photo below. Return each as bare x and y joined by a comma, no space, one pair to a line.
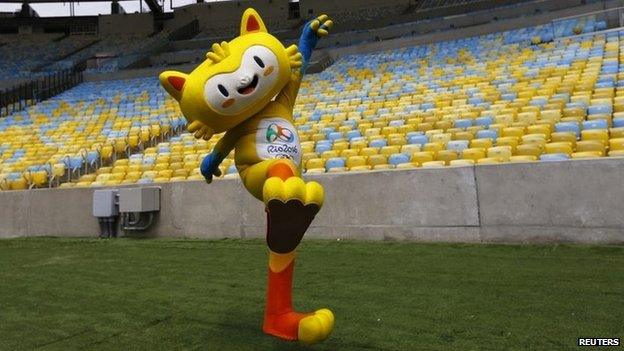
22,54
490,99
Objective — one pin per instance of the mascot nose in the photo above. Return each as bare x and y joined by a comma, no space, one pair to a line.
245,80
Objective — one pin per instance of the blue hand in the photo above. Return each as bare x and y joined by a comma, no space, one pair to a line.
210,166
307,42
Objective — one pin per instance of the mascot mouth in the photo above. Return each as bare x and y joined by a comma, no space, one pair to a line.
249,88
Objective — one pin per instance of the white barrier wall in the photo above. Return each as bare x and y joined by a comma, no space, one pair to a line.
571,201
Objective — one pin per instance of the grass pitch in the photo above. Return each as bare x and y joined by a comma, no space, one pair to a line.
82,294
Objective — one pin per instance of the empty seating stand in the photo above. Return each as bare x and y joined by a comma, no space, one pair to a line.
492,99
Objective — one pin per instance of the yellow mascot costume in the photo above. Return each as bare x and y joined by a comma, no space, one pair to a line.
247,88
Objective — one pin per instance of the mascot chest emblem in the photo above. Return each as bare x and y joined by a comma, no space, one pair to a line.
277,138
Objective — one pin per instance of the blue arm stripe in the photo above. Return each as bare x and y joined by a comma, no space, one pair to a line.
307,43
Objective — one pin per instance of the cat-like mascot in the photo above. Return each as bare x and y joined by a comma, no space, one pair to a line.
247,88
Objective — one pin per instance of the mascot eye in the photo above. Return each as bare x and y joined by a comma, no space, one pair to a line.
223,90
259,61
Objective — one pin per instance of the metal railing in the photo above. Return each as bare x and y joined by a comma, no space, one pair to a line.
588,22
29,93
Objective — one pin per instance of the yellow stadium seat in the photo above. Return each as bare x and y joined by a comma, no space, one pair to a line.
569,137
389,150
462,162
481,143
103,177
534,139
441,138
410,148
591,145
103,170
356,161
39,178
513,132
88,177
340,145
587,154
558,147
446,156
133,168
511,141
307,156
422,156
329,154
119,169
433,147
596,134
616,153
501,153
378,159
616,144
348,153
488,161
522,158
433,164
473,153
463,136
133,175
133,141
406,165
381,166
106,152
149,174
617,132
315,163
181,172
367,151
161,166
18,184
116,177
544,129
176,165
358,144
58,170
529,150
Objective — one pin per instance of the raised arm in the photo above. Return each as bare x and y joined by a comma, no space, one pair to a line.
312,32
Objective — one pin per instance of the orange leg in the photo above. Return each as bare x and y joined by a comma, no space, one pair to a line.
286,223
279,318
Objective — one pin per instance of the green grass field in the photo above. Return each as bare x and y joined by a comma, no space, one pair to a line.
82,294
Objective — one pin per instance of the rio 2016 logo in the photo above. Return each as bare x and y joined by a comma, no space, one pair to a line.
276,132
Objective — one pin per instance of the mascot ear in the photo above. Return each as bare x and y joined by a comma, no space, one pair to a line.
173,82
251,22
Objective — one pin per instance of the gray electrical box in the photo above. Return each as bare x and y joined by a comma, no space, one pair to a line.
143,199
104,203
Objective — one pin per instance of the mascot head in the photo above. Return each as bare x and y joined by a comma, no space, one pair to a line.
236,81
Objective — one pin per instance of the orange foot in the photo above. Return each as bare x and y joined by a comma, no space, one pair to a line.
308,328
